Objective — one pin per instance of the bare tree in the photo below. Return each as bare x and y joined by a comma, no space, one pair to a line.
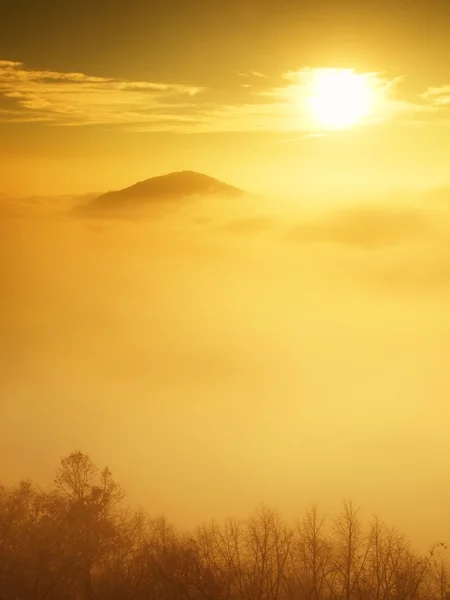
351,551
77,542
76,475
223,550
267,544
386,549
85,502
413,571
311,557
438,580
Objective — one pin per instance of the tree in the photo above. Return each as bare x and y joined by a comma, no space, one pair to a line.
438,581
351,551
268,541
85,503
311,555
78,542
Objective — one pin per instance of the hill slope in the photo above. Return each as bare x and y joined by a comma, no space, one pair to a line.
175,186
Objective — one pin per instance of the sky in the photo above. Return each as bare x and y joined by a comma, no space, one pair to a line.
289,350
214,63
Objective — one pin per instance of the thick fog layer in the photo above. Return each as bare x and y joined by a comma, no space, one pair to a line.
231,352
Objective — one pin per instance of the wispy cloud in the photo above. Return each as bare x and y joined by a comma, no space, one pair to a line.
80,99
253,74
438,96
75,99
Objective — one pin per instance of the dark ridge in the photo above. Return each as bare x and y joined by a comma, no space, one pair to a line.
173,186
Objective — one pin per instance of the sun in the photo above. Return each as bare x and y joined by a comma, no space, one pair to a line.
340,98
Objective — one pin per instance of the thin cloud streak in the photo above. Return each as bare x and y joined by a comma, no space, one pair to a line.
438,96
253,74
77,98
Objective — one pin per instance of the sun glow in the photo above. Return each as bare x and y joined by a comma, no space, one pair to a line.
340,98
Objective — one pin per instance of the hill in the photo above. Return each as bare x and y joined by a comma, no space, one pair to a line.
173,187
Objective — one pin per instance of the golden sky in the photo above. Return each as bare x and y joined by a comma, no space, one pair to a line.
291,351
102,98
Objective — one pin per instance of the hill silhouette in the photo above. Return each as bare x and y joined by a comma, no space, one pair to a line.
173,187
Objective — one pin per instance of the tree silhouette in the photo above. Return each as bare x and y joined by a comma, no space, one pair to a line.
78,541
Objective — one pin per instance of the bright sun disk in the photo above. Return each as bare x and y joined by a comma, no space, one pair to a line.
340,98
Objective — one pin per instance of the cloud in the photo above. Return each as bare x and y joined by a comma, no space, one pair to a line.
366,227
437,101
438,96
401,245
79,99
38,208
253,74
398,245
188,345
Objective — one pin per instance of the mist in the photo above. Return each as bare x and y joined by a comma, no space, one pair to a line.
227,354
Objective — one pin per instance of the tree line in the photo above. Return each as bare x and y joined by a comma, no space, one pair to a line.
79,542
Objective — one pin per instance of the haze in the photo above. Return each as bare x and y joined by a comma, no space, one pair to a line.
287,347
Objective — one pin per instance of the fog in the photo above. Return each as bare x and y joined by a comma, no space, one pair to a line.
224,354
